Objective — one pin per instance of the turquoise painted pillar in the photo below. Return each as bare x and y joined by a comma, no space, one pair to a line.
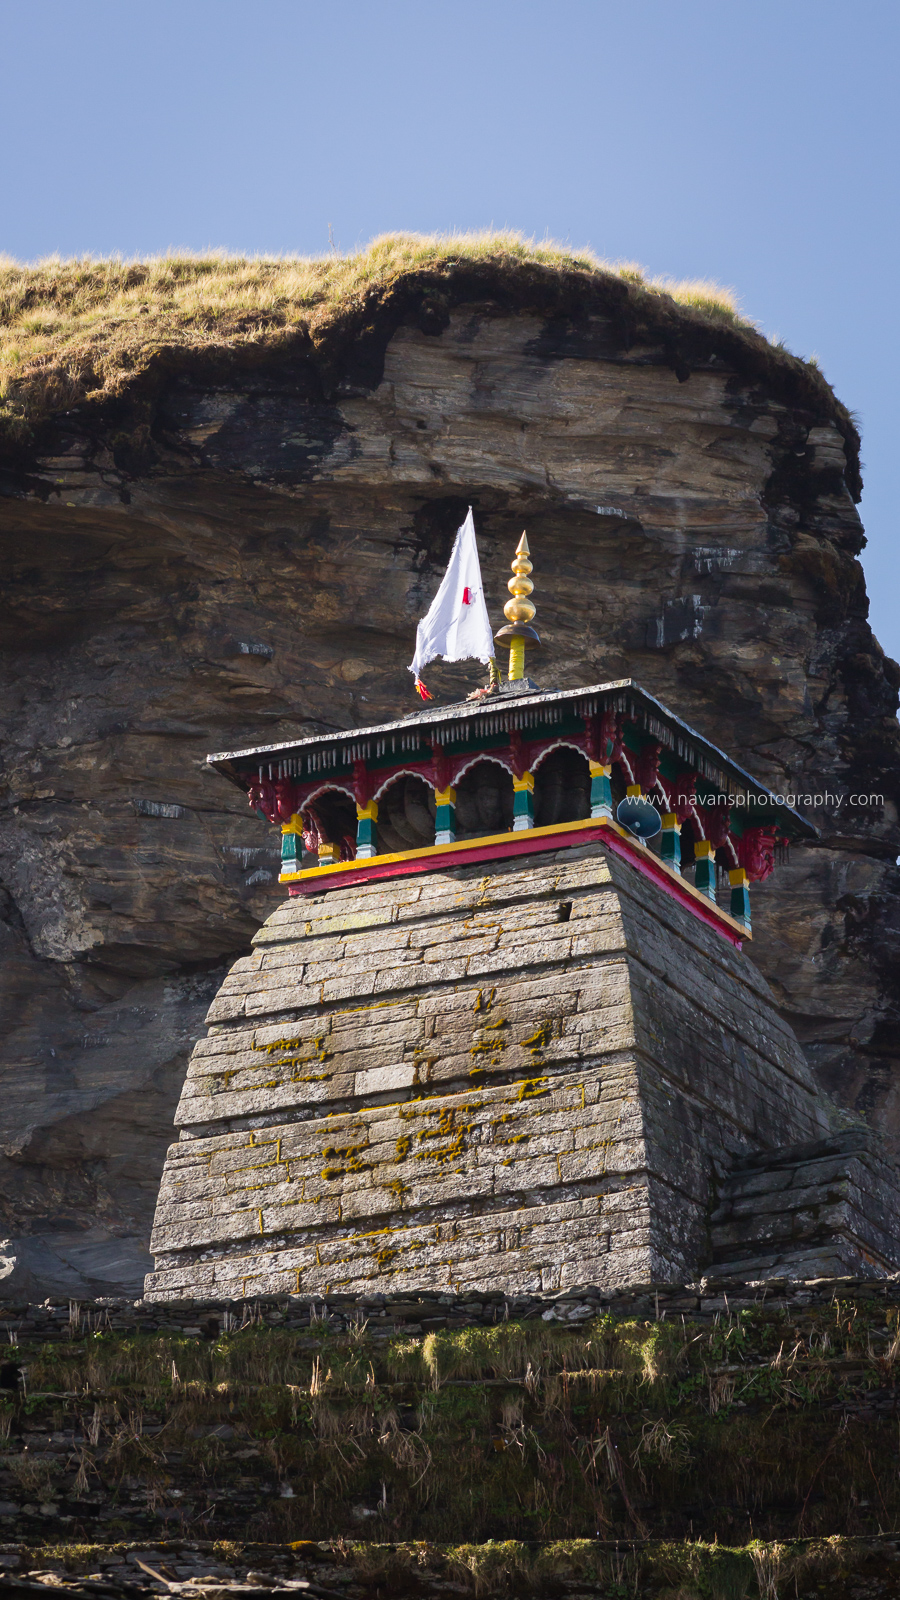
740,895
367,830
523,802
445,816
291,846
705,869
601,790
670,841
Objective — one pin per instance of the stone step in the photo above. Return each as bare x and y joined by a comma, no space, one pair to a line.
805,1210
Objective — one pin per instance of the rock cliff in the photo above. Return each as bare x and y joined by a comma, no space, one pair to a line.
236,546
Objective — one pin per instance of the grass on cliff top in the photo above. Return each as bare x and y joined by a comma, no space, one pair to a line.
84,329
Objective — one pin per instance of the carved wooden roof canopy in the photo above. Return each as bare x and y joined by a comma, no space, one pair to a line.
325,791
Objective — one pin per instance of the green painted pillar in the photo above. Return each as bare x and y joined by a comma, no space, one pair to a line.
523,802
601,790
740,895
705,869
291,847
367,830
445,816
670,841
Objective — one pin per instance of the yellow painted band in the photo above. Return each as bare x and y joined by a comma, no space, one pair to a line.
444,797
526,782
368,812
435,851
703,848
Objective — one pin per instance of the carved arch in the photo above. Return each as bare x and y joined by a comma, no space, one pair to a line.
474,761
560,744
327,788
406,812
402,772
562,784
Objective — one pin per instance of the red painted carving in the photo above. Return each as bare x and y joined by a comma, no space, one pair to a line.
600,732
756,853
362,784
647,767
316,831
285,799
310,833
619,756
684,795
262,797
716,822
617,748
440,767
520,751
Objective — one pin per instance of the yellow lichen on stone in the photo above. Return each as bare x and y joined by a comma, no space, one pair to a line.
530,1088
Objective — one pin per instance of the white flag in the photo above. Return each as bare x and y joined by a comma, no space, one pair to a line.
456,625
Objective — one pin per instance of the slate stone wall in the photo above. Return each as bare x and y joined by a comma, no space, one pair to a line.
512,1082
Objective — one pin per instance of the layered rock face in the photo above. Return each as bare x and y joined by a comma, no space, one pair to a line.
240,553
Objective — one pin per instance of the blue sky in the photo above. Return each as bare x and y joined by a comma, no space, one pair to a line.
753,143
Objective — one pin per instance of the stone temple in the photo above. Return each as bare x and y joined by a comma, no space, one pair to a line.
496,1040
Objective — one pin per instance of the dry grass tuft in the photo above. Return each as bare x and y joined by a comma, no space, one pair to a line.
84,329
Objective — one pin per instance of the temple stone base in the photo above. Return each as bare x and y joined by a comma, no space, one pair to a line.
546,1075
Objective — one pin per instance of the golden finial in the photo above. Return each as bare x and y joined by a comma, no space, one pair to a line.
519,609
519,612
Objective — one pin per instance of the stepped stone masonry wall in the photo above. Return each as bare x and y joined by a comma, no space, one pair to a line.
516,1082
810,1211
